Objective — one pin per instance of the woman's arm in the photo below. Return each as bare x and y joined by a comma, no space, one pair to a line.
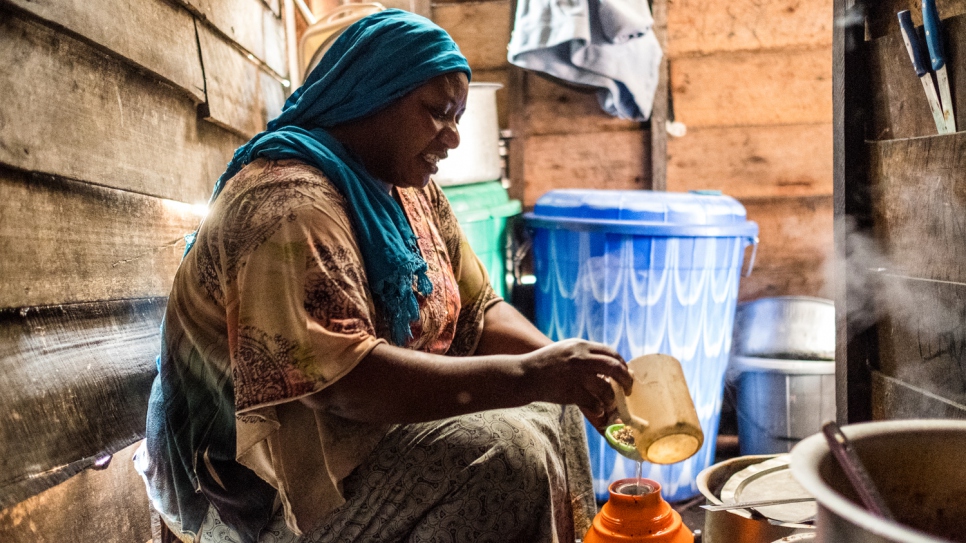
396,385
506,331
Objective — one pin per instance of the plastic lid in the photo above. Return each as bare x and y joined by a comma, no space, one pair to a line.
480,201
654,213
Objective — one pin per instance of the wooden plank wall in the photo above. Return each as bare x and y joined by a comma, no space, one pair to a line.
561,137
751,80
115,121
915,189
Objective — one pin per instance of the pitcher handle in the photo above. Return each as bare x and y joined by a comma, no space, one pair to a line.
754,252
625,413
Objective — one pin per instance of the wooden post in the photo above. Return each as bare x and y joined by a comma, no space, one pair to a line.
856,350
656,138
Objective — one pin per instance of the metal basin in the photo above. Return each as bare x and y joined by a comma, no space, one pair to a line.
785,327
735,526
916,464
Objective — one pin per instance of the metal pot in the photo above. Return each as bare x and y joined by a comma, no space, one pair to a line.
477,158
738,525
785,327
917,465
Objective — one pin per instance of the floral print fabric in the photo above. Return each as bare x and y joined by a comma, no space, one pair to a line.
272,304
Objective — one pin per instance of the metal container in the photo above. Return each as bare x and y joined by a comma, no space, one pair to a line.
917,465
735,526
785,327
477,158
780,402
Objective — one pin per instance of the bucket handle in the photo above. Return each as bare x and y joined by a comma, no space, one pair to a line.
754,252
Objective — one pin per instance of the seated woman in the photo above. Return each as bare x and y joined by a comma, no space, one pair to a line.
335,365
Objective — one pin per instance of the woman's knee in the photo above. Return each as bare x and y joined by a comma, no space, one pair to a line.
509,449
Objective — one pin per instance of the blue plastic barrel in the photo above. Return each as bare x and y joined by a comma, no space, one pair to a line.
645,272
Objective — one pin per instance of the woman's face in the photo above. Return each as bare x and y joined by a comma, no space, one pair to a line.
402,143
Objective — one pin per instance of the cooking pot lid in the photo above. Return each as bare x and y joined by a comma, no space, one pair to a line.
770,480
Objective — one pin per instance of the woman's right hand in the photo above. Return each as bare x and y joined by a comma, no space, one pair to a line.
575,371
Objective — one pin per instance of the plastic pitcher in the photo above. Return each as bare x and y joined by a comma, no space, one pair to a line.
660,411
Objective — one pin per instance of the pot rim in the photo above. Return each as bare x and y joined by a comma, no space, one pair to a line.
809,453
485,85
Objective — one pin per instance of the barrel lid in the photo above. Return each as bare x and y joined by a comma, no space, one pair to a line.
480,201
655,213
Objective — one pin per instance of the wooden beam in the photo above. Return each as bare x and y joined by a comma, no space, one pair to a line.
249,24
69,110
65,241
899,107
698,27
921,335
750,161
856,348
753,88
241,96
882,20
152,34
919,205
606,160
656,138
75,381
895,399
795,253
555,108
481,29
107,506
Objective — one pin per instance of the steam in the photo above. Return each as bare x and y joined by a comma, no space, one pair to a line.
883,291
879,290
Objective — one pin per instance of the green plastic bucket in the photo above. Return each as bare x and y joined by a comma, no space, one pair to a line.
482,210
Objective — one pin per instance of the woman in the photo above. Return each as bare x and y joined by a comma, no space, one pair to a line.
334,363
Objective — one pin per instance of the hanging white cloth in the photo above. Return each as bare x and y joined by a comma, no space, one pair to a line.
605,44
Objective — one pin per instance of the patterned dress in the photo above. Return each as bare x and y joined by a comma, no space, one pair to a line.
271,305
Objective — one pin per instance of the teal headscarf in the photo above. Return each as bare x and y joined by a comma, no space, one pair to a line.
376,61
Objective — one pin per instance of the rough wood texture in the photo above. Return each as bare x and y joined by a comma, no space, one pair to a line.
71,111
75,383
753,161
899,107
419,7
919,199
922,340
152,34
882,18
607,160
894,399
481,29
248,23
754,88
656,137
65,241
855,346
556,108
519,80
107,506
795,254
241,96
702,27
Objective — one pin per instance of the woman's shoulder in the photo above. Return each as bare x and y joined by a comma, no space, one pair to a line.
281,186
271,176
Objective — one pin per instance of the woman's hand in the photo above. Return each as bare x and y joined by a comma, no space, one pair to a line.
575,371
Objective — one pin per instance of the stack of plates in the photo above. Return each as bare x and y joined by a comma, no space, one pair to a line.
770,480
